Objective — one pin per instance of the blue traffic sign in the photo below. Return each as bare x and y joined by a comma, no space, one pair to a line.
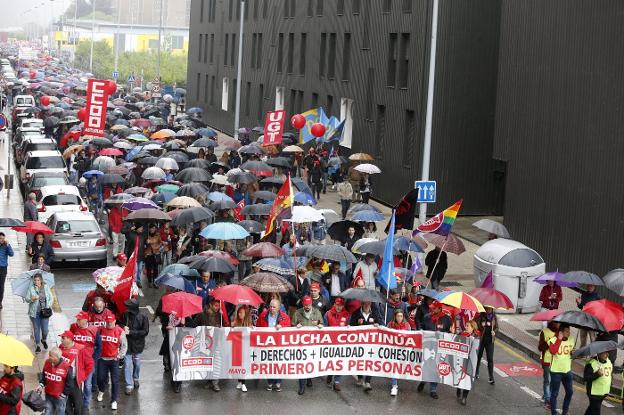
426,191
130,78
115,75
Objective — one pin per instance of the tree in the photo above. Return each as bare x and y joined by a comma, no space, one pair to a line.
102,57
85,7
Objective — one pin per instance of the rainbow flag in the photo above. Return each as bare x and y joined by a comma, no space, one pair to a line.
443,221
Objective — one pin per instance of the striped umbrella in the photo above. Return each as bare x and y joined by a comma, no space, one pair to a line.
463,301
451,243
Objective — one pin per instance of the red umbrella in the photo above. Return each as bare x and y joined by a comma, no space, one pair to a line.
111,152
608,312
221,255
71,135
141,122
264,250
31,226
546,315
237,294
490,297
183,304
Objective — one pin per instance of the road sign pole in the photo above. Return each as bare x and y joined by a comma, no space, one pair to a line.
430,95
239,70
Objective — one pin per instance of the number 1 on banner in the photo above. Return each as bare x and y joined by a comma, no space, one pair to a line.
236,337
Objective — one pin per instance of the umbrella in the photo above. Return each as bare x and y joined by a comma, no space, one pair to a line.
493,227
148,215
368,216
361,157
360,242
582,277
138,137
201,163
118,199
292,149
429,292
403,243
92,173
102,163
614,280
264,195
21,284
171,280
362,294
167,163
220,180
594,348
183,202
282,162
304,198
33,227
272,181
136,190
237,294
11,223
193,215
358,207
250,149
222,205
449,243
218,197
137,203
168,188
121,170
111,179
152,173
463,301
490,297
251,226
332,253
163,134
263,250
176,269
210,264
267,282
375,248
338,230
204,142
107,277
276,265
367,168
193,174
221,255
258,209
194,110
581,320
224,231
193,190
13,352
556,277
546,315
242,177
305,214
111,152
608,312
182,304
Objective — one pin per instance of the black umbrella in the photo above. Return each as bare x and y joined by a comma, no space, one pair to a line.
212,264
50,122
252,226
264,195
216,165
258,209
375,248
257,166
363,294
338,230
204,142
582,277
250,149
332,253
258,129
118,199
192,190
111,179
428,292
272,181
362,206
192,215
282,162
193,174
148,161
200,163
243,177
222,205
11,222
581,320
101,142
594,348
148,215
172,146
614,280
179,156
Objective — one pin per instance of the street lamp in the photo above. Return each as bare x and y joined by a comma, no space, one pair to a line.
239,70
160,24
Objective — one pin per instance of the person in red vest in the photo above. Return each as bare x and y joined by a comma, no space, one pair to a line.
81,361
337,316
115,222
98,313
87,336
53,380
114,347
11,391
99,292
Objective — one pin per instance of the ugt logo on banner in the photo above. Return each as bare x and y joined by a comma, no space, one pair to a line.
274,128
97,97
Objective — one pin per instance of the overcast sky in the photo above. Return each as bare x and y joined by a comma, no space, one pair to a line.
12,11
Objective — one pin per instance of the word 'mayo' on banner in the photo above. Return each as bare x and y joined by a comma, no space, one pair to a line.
291,353
97,97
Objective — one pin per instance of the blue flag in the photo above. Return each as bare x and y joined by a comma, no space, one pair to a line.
386,276
311,116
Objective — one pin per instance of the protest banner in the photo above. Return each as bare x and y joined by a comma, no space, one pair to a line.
97,97
293,353
274,128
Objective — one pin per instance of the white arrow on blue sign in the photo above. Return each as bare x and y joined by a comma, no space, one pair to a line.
426,191
115,74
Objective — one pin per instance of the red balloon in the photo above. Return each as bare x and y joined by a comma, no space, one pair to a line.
33,74
82,114
318,129
112,87
45,100
298,121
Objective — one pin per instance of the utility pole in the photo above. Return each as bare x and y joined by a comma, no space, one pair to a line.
92,35
117,35
160,24
239,70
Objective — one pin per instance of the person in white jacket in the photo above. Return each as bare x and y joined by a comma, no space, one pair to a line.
367,271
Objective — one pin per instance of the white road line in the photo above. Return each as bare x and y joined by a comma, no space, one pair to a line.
531,392
150,309
500,373
607,404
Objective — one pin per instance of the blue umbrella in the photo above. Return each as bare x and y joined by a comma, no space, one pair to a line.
440,296
206,132
121,121
300,185
276,265
218,197
403,243
22,283
170,280
133,153
194,110
305,198
89,174
368,216
163,198
176,269
224,231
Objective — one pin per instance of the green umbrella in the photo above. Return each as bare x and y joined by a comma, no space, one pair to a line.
170,188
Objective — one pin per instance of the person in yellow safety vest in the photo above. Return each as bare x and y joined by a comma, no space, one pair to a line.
597,376
561,347
546,334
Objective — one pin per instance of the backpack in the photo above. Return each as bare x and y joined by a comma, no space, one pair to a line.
34,401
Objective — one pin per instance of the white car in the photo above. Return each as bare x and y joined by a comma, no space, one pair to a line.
24,101
35,161
59,198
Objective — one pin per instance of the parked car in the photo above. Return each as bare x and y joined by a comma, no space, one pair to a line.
77,237
34,143
36,161
59,199
42,179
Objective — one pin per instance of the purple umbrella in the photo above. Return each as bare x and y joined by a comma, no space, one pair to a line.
557,277
139,203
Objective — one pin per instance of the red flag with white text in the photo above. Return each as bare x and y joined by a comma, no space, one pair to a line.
123,290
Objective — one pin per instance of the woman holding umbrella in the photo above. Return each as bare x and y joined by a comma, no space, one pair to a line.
40,299
487,324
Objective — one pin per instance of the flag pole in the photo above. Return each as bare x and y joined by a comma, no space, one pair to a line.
436,263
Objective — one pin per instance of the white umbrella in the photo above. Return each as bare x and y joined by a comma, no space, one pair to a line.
152,146
292,149
358,244
153,173
367,168
123,145
305,214
103,163
491,226
219,179
183,202
167,163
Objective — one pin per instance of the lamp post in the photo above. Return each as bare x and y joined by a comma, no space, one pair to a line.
117,34
160,24
239,70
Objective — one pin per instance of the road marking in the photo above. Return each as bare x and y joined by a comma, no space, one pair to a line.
150,309
531,392
513,352
500,373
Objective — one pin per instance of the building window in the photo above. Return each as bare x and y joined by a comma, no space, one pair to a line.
254,45
206,85
152,44
367,19
387,6
302,53
213,10
340,6
173,45
392,60
280,52
404,65
212,37
346,114
323,50
198,82
286,11
201,11
247,6
233,49
225,49
299,105
291,52
279,98
255,13
293,9
346,57
380,130
407,138
310,8
213,83
407,6
238,7
248,99
330,104
230,9
315,98
260,101
319,7
370,85
225,94
265,9
233,95
357,6
331,60
200,48
259,55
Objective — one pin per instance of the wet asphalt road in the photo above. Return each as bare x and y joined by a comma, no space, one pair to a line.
510,395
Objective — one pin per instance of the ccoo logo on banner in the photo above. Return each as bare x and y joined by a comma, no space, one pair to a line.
243,353
97,98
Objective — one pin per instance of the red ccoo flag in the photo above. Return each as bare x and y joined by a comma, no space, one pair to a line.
123,289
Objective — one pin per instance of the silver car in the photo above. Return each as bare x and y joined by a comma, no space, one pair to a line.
77,238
